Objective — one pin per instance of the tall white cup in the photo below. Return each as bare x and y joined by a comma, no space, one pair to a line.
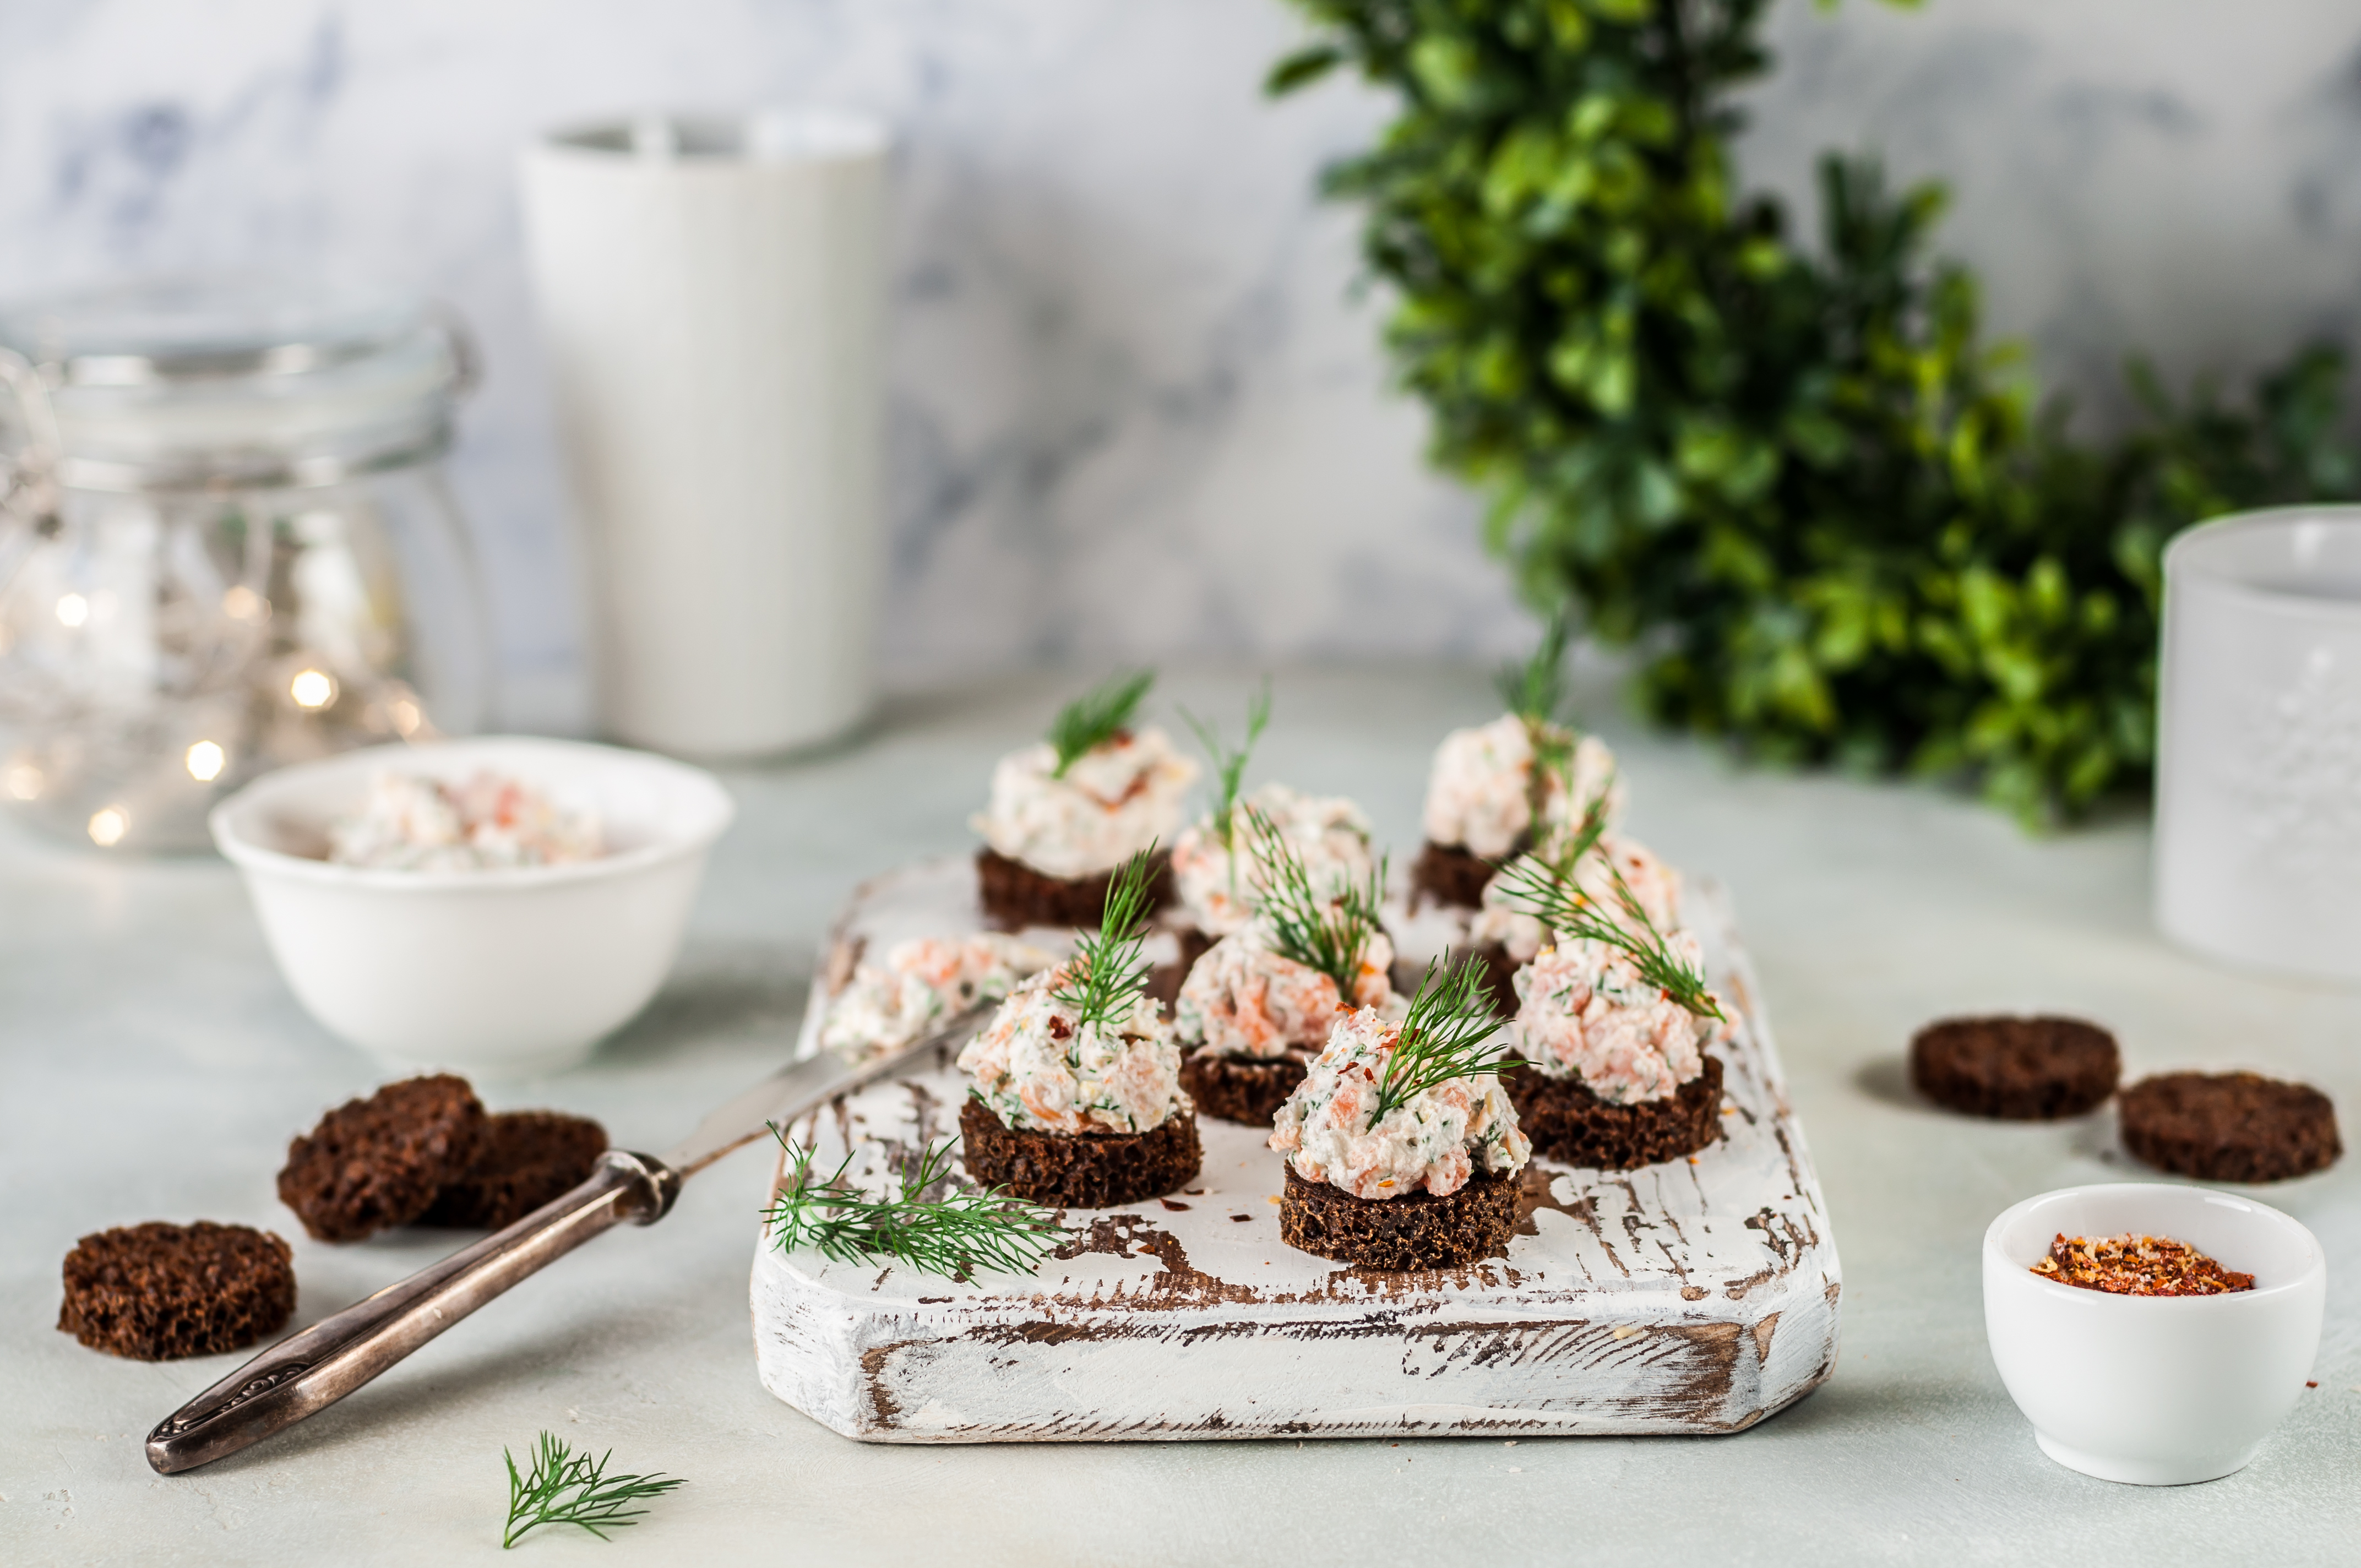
2258,746
711,291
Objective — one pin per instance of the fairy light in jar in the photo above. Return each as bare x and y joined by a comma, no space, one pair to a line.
72,610
242,603
108,824
312,689
206,761
405,716
23,781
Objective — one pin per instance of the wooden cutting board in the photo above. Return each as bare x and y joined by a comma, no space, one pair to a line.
1695,1296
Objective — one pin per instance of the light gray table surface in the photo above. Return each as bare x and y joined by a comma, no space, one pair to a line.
152,1066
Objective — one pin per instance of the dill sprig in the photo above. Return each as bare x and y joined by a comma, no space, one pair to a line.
1535,690
1230,767
1096,717
1550,895
567,1488
1327,934
1444,1037
1104,980
953,1236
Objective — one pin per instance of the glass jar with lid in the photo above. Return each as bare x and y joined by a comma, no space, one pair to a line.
226,544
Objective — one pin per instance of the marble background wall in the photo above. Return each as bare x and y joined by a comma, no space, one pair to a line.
1138,410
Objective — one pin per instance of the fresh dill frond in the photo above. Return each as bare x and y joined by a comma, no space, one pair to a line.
1106,974
567,1488
1550,895
1096,717
1230,767
1535,690
1582,841
953,1236
1329,933
1451,1031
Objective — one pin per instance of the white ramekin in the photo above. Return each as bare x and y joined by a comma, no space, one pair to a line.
2154,1390
504,973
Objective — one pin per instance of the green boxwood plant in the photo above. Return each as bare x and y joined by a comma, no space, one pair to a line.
1829,517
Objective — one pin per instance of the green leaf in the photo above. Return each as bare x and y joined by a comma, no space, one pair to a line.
1301,69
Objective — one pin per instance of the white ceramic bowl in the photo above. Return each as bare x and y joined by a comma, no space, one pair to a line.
2155,1390
504,973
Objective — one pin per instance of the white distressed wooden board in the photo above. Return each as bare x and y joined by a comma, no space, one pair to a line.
1695,1297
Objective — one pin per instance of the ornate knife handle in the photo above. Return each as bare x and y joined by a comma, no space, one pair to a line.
308,1372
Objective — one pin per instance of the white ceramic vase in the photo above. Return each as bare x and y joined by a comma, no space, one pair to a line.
711,294
2259,745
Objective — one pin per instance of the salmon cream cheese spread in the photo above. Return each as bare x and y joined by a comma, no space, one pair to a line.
1216,882
414,823
1035,1067
1433,1142
1583,1008
1481,790
924,982
1244,1000
1114,801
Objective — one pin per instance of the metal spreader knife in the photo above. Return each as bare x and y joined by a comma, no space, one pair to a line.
307,1371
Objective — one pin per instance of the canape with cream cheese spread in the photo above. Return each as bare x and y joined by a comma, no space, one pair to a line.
1401,1148
1077,1099
1066,811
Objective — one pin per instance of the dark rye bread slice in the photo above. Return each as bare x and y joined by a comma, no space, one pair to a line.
159,1291
1015,895
1569,1124
1450,874
528,1158
373,1164
2019,1069
1416,1230
1248,1090
2230,1126
1084,1171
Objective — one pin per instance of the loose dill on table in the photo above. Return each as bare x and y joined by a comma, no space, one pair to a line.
1327,934
1549,894
1449,1032
953,1236
1096,717
567,1488
1230,767
1106,974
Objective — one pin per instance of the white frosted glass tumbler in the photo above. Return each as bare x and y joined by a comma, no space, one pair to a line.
2259,744
712,293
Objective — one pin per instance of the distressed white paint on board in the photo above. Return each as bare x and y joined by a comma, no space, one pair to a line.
1694,1296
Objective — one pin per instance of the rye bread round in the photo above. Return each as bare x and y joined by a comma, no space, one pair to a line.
1015,895
159,1291
1416,1230
528,1158
1245,1090
1569,1124
2019,1069
1081,1170
375,1163
2229,1126
1450,874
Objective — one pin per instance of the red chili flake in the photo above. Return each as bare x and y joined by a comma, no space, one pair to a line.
1059,1028
2133,1265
